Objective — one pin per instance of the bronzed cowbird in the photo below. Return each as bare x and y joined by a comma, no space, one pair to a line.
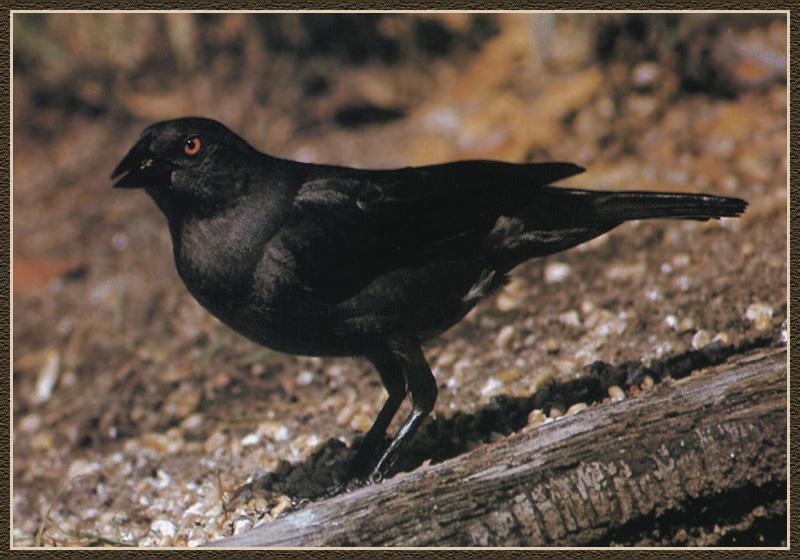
332,261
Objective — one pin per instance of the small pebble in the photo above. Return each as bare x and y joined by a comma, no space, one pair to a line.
586,355
29,423
700,339
361,422
253,438
576,408
258,504
570,318
761,315
564,367
680,260
283,503
282,434
556,411
529,341
643,106
552,345
536,418
626,272
616,393
215,441
241,524
42,441
506,302
517,286
556,272
504,336
646,74
195,509
182,402
513,294
491,385
163,479
653,294
81,467
446,359
683,283
647,383
760,511
274,431
721,338
192,422
609,325
510,374
119,241
163,528
48,376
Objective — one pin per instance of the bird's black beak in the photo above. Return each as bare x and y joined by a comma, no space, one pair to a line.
140,169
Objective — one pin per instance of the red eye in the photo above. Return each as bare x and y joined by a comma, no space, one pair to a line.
192,146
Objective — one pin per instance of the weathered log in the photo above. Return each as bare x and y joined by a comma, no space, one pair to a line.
696,460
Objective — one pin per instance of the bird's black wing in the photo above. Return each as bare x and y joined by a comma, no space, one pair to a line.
352,226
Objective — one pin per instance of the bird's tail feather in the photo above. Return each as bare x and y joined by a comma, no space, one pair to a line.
639,205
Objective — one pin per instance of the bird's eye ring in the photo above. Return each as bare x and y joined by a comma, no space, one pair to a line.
192,146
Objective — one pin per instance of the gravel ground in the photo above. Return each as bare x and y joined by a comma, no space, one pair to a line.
140,420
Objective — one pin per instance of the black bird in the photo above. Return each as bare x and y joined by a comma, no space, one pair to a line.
332,261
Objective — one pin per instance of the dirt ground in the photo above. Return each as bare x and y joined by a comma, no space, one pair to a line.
140,420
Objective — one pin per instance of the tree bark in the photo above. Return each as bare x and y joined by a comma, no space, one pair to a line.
701,461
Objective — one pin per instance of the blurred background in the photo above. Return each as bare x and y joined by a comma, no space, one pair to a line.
140,420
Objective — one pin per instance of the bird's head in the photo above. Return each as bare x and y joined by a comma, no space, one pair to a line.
188,157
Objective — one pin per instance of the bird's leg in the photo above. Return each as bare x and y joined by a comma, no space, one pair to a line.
391,372
421,385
